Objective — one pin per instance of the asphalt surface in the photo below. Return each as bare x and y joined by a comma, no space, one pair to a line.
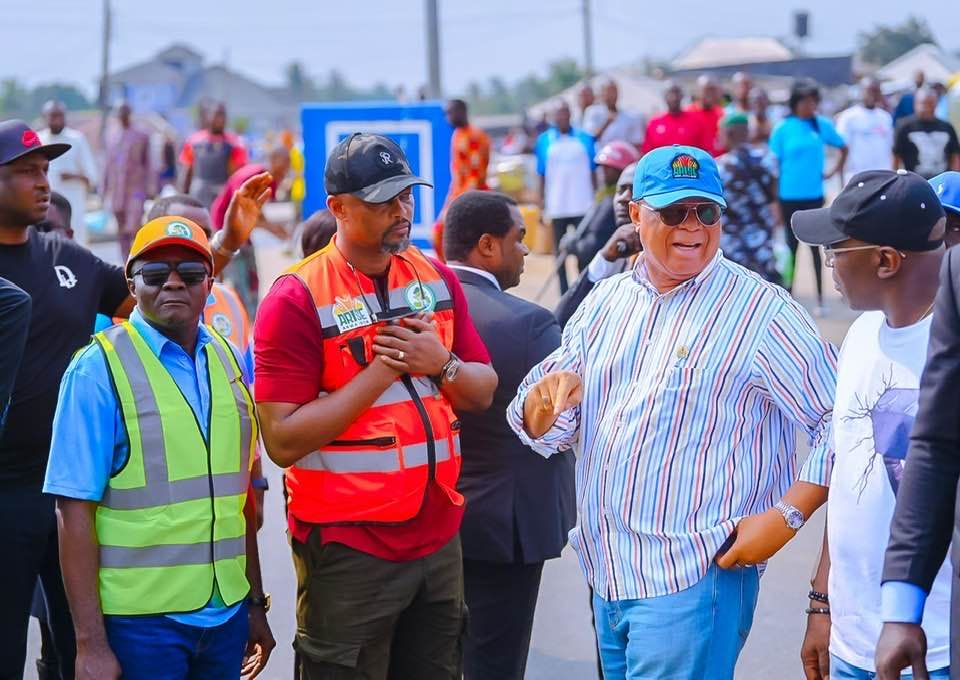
562,647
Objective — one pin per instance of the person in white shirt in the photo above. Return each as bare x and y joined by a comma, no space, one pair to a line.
883,239
74,173
867,128
606,123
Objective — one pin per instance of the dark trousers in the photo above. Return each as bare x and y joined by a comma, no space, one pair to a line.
501,600
363,618
560,226
30,524
788,208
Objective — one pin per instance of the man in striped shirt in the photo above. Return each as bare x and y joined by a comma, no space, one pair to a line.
682,383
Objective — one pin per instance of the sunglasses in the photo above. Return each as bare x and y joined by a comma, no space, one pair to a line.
708,214
157,273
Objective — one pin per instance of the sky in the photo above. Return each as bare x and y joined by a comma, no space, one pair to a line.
371,41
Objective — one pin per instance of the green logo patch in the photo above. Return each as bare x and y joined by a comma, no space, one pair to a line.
420,298
179,229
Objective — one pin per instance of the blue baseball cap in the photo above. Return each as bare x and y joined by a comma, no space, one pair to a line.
947,186
673,173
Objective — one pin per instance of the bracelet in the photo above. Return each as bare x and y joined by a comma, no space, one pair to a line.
216,243
817,610
819,597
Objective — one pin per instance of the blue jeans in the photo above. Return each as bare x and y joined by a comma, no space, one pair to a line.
159,648
695,634
841,670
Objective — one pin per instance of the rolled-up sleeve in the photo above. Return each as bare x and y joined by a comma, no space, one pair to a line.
568,357
798,370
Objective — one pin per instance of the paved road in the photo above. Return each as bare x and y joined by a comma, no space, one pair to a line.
562,646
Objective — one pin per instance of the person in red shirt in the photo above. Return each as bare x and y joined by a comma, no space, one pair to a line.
379,596
242,271
209,156
709,106
676,126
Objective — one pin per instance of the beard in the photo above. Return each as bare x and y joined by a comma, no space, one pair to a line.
395,248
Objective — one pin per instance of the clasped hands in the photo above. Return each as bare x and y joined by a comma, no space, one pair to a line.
412,346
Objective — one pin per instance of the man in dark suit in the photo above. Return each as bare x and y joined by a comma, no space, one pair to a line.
520,505
926,518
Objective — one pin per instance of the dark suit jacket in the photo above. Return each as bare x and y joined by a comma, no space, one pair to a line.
520,505
925,517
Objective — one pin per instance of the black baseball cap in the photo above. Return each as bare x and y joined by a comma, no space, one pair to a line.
17,139
371,167
886,208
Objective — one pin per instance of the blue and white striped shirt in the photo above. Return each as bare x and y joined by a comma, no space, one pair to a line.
691,404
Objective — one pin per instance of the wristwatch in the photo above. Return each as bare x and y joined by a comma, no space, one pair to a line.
793,517
262,601
449,371
216,244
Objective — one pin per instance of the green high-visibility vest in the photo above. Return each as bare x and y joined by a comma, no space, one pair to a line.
171,524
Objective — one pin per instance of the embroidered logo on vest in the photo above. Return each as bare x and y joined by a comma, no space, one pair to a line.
350,313
419,298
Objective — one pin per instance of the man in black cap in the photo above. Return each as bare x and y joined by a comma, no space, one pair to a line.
383,335
883,240
68,286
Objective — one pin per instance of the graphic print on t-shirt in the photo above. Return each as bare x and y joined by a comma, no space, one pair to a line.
931,151
891,414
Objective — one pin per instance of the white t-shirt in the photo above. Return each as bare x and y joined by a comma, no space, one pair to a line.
626,127
878,379
869,136
568,182
78,160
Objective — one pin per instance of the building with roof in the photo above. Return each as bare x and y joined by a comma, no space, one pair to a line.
937,65
176,81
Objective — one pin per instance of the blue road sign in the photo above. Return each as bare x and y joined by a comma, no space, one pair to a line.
420,129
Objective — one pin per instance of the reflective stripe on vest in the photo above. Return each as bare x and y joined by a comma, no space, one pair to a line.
347,460
171,520
398,304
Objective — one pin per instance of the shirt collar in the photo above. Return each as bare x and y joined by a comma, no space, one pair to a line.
156,340
641,276
479,272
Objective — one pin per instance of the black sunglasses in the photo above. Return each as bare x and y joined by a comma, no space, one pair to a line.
157,273
674,215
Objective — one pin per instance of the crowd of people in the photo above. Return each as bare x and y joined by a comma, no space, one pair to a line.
441,439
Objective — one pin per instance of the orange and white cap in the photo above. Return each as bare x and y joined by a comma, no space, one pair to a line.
169,231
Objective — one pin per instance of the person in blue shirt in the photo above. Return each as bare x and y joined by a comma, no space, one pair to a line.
799,143
91,445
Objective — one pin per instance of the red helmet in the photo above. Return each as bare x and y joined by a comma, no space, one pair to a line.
617,155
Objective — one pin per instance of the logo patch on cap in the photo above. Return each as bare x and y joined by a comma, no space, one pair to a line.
685,166
29,138
386,158
179,229
420,298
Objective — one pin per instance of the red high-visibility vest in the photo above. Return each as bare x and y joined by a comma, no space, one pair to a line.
377,470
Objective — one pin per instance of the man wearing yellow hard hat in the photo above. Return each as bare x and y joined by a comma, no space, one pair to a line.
153,441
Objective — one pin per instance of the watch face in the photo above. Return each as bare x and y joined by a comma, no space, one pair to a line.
794,519
452,371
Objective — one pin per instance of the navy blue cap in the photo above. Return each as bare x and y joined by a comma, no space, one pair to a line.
947,186
673,173
371,167
886,208
17,139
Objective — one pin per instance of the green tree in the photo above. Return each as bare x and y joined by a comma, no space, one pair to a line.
885,43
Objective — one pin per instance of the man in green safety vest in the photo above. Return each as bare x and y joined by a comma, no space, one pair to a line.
153,441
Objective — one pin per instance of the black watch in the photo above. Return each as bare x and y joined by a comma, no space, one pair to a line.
262,601
260,483
449,371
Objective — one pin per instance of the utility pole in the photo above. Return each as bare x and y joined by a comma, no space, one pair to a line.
587,40
105,70
433,49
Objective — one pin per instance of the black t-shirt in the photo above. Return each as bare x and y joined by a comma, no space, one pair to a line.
925,146
68,285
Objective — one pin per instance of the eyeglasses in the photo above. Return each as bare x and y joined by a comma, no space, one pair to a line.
708,214
830,254
157,273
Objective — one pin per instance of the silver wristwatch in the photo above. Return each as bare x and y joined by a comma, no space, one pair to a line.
793,517
216,244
